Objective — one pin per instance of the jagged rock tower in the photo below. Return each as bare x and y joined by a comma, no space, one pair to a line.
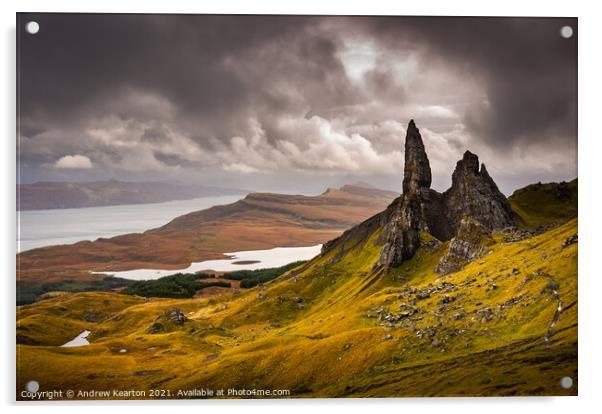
466,213
403,226
473,195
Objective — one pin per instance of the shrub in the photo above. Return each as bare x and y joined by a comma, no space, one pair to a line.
180,285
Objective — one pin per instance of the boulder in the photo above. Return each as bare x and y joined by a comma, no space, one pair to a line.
471,242
568,241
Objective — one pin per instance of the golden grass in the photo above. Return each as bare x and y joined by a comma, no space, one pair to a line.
327,345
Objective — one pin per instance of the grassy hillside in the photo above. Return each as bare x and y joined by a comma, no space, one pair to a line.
259,221
335,326
543,204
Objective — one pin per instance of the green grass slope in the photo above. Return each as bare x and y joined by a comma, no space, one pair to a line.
544,204
335,327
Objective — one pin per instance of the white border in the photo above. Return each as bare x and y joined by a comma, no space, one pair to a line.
590,177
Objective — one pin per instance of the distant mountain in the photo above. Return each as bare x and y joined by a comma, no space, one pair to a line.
56,195
258,221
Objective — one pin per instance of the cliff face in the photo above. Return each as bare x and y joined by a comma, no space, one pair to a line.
473,196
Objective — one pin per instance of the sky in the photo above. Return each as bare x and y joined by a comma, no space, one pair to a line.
293,103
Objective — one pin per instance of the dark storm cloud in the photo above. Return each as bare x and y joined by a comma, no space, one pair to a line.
324,95
79,61
529,70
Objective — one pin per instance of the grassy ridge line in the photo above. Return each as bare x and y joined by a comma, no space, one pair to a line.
543,204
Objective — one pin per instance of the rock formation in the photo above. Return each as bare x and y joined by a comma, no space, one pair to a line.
408,217
417,170
474,193
470,243
466,213
472,207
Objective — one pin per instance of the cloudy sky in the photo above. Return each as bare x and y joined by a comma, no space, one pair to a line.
294,103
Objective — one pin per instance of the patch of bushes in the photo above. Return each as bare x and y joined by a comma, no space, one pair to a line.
180,285
29,292
250,278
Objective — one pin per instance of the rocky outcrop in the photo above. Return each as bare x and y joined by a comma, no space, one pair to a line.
167,321
417,170
474,193
471,242
466,213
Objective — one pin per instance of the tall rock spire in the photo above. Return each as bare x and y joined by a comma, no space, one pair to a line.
417,170
473,206
408,217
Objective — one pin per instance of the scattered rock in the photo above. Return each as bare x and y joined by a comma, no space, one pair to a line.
471,242
447,299
146,372
177,316
485,314
458,316
568,241
513,234
156,328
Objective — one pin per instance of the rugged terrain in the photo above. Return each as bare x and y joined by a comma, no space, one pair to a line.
486,306
259,221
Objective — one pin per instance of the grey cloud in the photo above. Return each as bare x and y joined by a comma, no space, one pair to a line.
529,70
181,94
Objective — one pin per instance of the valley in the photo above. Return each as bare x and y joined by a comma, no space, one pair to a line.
258,221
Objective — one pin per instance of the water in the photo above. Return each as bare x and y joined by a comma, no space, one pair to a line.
258,259
41,228
79,340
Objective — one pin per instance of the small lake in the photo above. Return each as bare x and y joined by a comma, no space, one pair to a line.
41,228
79,340
246,260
